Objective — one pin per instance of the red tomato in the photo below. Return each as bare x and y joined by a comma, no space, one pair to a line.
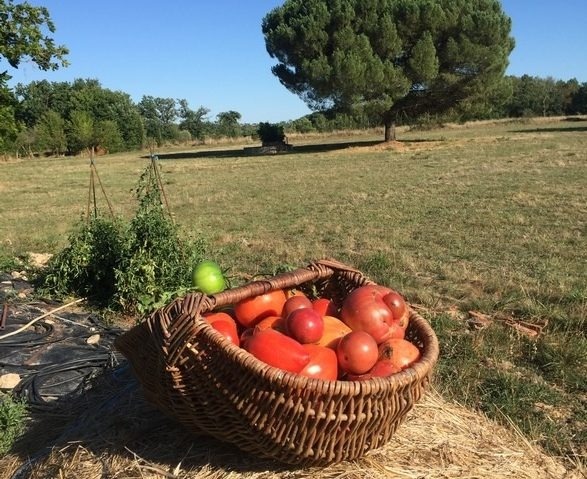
400,352
219,316
228,330
226,325
325,307
277,350
295,302
366,309
305,325
250,311
397,305
323,363
357,352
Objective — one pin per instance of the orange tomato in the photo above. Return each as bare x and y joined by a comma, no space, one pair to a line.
273,322
250,311
400,352
334,329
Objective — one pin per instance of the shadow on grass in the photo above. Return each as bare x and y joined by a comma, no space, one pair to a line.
296,150
112,421
567,129
562,128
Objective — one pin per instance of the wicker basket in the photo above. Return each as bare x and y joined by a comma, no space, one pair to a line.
189,371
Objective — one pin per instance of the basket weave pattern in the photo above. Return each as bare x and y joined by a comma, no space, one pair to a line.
190,372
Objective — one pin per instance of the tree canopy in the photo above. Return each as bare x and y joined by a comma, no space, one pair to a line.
23,34
388,58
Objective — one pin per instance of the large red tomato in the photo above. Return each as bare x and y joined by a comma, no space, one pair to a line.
250,311
400,352
277,350
323,363
357,352
374,309
224,323
227,330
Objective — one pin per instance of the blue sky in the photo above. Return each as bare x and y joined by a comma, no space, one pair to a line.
212,53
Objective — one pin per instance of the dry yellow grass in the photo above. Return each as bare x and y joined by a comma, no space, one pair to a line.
112,432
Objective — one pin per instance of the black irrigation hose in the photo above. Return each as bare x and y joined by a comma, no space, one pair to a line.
29,387
48,329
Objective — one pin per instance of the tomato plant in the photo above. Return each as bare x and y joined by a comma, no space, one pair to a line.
357,352
250,311
208,278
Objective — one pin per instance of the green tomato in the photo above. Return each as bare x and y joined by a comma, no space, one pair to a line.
207,277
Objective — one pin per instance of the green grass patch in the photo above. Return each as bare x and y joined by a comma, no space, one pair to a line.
12,420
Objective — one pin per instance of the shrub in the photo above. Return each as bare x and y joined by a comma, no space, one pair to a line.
270,133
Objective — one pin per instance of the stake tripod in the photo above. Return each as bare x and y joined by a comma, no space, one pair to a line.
92,201
155,170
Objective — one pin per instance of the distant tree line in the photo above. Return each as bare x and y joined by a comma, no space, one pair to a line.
357,64
60,118
69,118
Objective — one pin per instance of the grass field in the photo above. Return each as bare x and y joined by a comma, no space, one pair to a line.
487,217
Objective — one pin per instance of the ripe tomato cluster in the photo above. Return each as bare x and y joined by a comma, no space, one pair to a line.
362,338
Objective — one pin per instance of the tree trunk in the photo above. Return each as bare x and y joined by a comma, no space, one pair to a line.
390,131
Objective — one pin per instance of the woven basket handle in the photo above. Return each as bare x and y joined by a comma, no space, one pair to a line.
184,327
315,270
180,331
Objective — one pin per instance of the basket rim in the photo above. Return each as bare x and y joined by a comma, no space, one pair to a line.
195,304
